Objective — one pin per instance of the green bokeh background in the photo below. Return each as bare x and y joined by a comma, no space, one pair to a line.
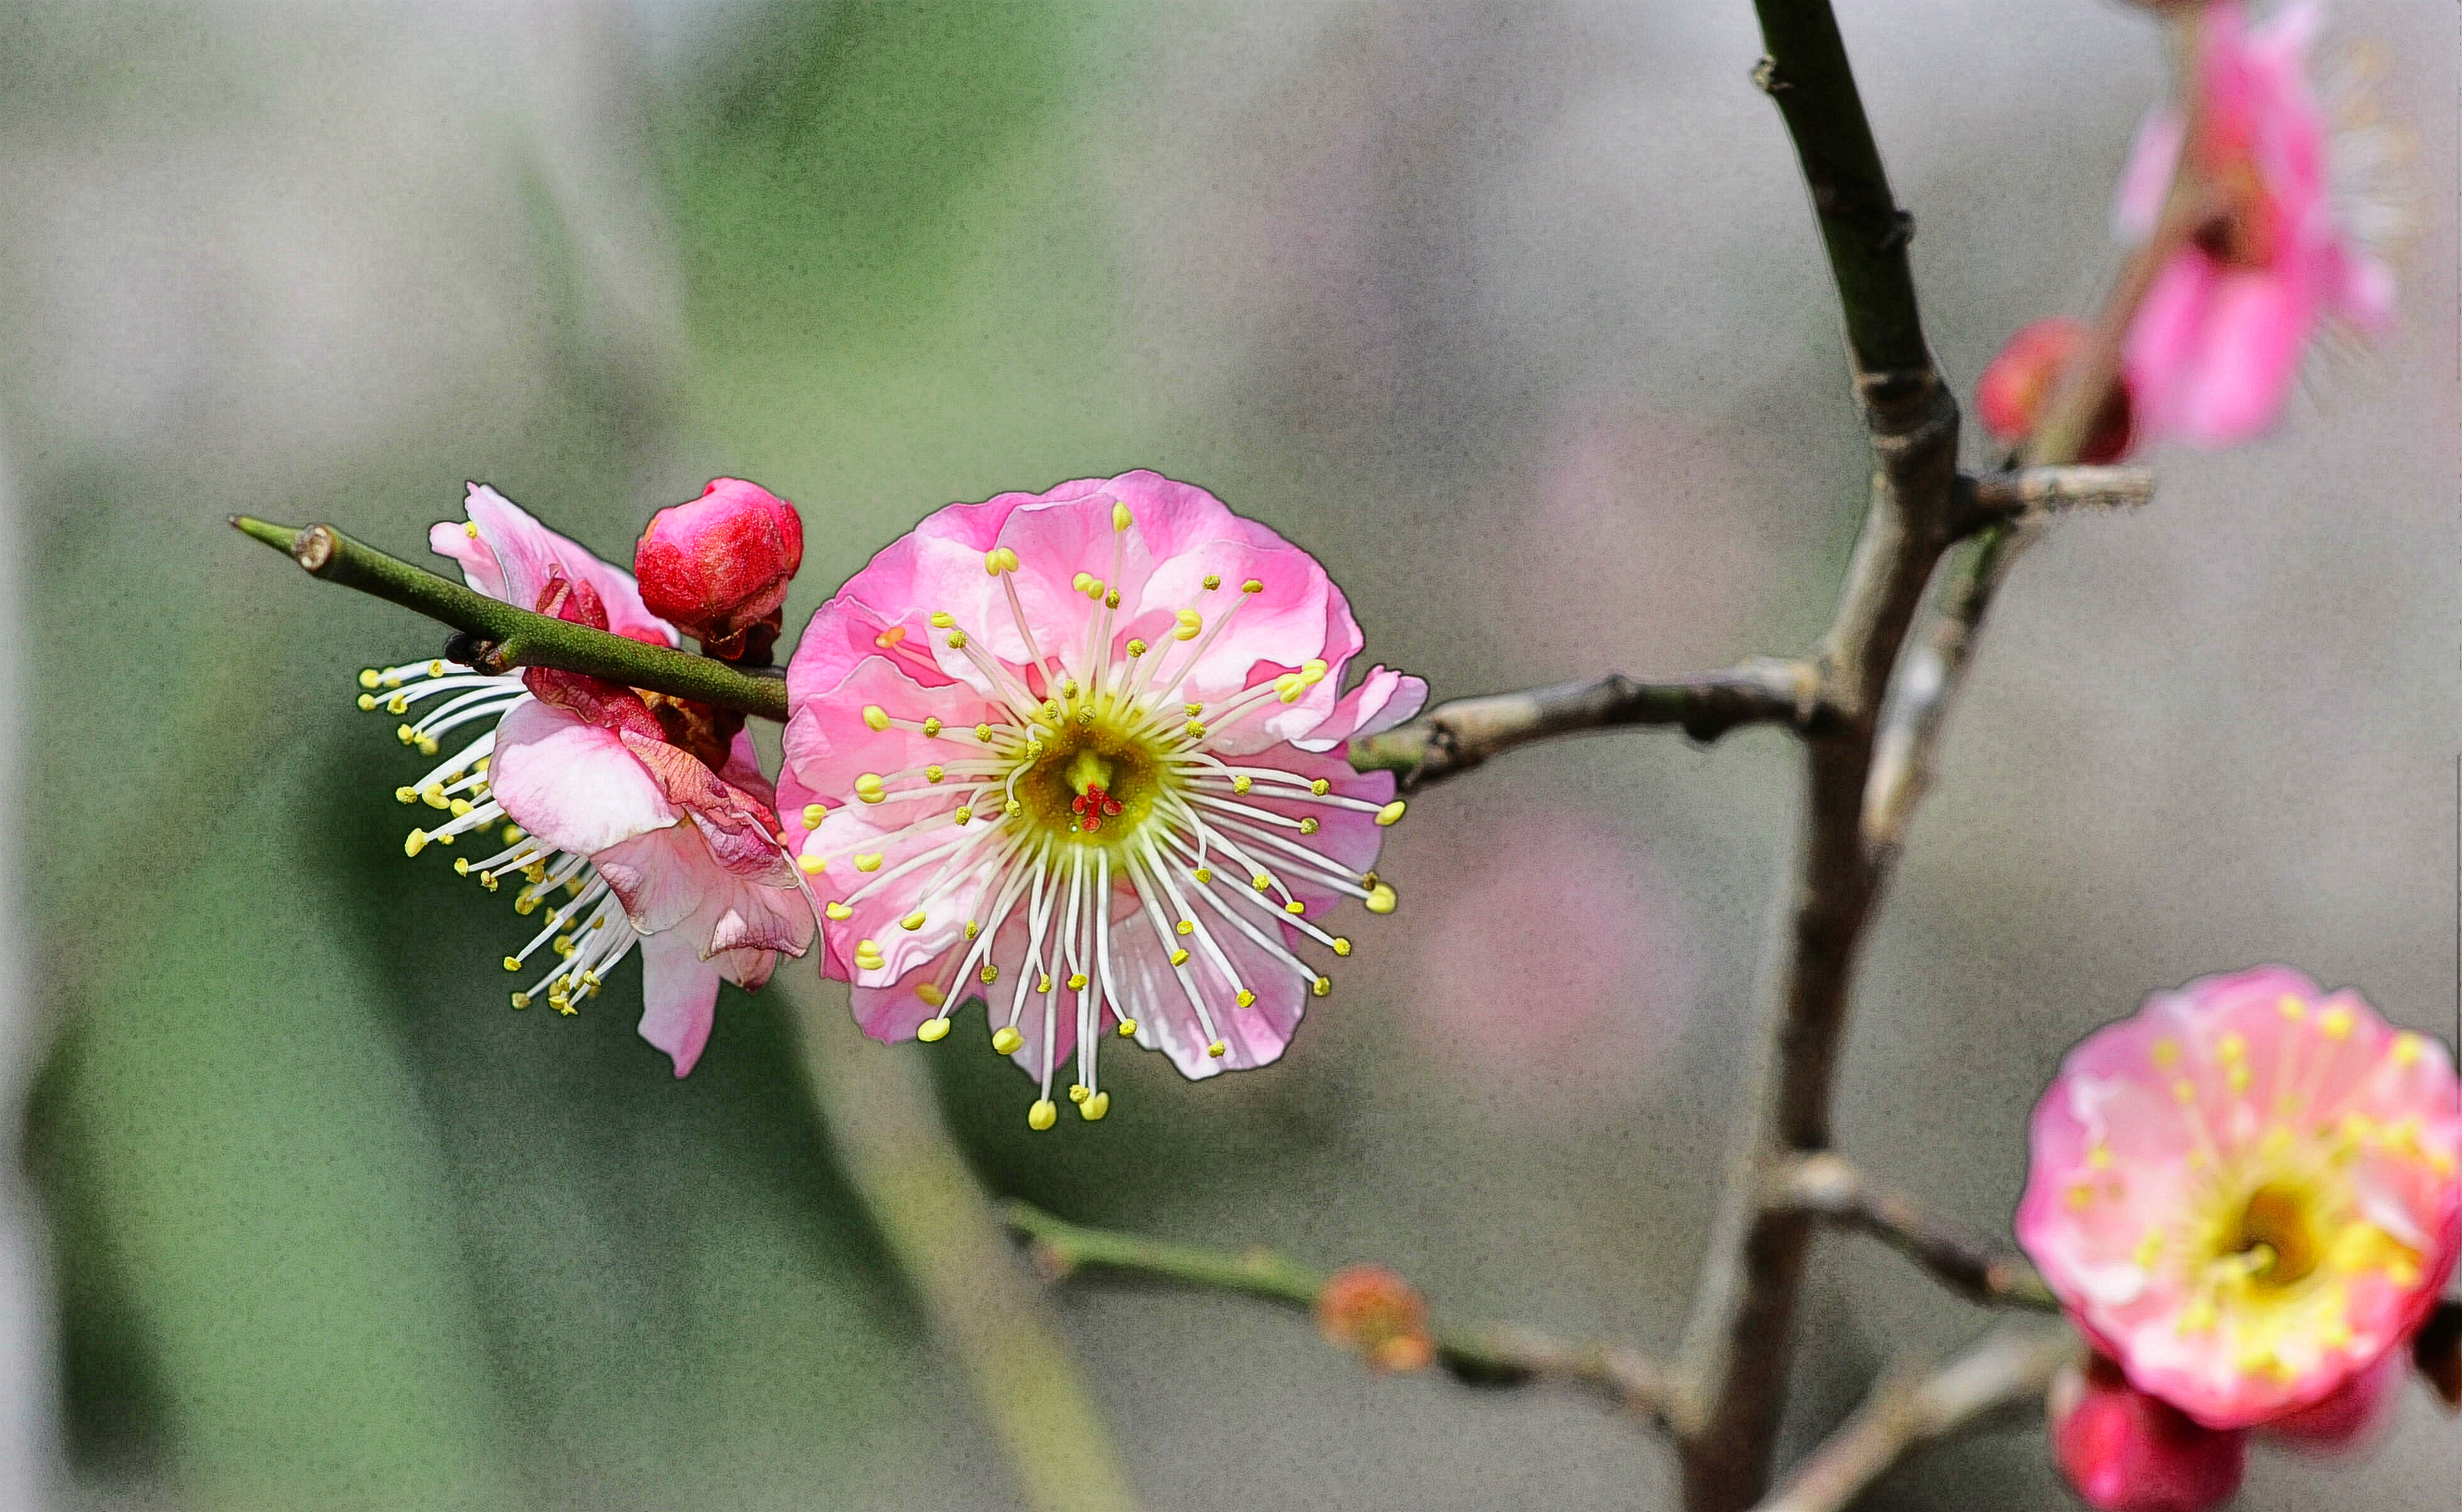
1512,315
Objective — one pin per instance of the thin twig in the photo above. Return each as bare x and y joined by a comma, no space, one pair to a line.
1480,1354
1904,1414
500,636
1452,738
1831,1188
2032,493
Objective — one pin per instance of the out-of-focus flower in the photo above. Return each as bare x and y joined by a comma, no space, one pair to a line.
2020,382
718,568
2247,1194
633,818
1079,753
1374,1311
2124,1451
2215,347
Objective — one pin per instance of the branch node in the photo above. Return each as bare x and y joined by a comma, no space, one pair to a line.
315,548
1768,79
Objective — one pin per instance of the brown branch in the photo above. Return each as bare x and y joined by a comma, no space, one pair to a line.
1480,1354
2030,494
1831,1188
1455,737
1905,1412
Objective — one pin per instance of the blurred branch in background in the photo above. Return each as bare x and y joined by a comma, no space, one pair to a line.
1906,1412
879,1110
1481,1354
1831,1189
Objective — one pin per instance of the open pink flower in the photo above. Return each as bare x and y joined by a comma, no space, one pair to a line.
2247,1195
2218,341
1079,753
646,816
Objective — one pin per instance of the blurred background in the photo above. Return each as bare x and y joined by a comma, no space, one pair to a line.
1512,313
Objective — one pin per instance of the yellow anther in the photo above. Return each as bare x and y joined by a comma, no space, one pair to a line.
1320,786
2165,1053
932,728
1042,1116
1380,898
1190,623
813,814
942,619
1213,581
525,904
367,701
1320,986
890,637
461,866
838,911
399,703
1043,982
1203,874
2184,1092
1252,586
1093,589
1192,710
1000,559
436,669
2408,1049
2232,1046
512,963
870,861
563,945
933,997
2292,1008
1094,1107
1246,998
1185,927
405,795
932,1031
369,676
1005,1040
2081,1196
956,640
1179,956
1342,944
427,745
1309,825
1390,813
867,953
2099,1157
1081,580
983,733
875,715
1121,519
935,772
1127,1029
988,975
1218,1050
964,814
1288,687
2236,1074
1261,881
1110,599
2334,1022
911,922
1014,808
1196,729
1240,784
470,529
415,842
460,807
972,929
1295,906
511,835
521,999
1135,647
870,786
1079,1092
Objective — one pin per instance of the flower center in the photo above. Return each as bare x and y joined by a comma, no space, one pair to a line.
2275,1242
1096,782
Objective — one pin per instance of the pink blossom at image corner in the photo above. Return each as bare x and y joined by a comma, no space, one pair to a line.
2216,347
2123,1451
1079,753
629,822
2247,1195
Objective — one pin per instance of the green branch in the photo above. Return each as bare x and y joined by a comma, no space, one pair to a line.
1480,1356
503,636
1805,71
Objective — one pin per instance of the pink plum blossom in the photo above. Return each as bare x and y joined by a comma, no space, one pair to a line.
2018,384
2218,343
2247,1195
2124,1451
648,816
1080,753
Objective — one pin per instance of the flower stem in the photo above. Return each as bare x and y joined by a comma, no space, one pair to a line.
1480,1354
503,637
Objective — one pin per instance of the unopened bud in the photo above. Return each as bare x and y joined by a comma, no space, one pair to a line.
2124,1451
1374,1311
2020,384
718,568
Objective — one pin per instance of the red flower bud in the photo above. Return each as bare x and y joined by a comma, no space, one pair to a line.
718,568
2017,386
2124,1451
1374,1311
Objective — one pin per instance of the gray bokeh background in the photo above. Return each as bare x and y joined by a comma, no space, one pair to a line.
1512,313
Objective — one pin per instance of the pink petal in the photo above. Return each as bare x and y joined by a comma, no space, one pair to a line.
1384,699
2146,181
678,998
571,783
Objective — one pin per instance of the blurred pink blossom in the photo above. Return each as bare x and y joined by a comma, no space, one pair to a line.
2218,342
2247,1195
2124,1451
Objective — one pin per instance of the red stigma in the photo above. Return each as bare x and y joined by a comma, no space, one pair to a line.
1093,807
